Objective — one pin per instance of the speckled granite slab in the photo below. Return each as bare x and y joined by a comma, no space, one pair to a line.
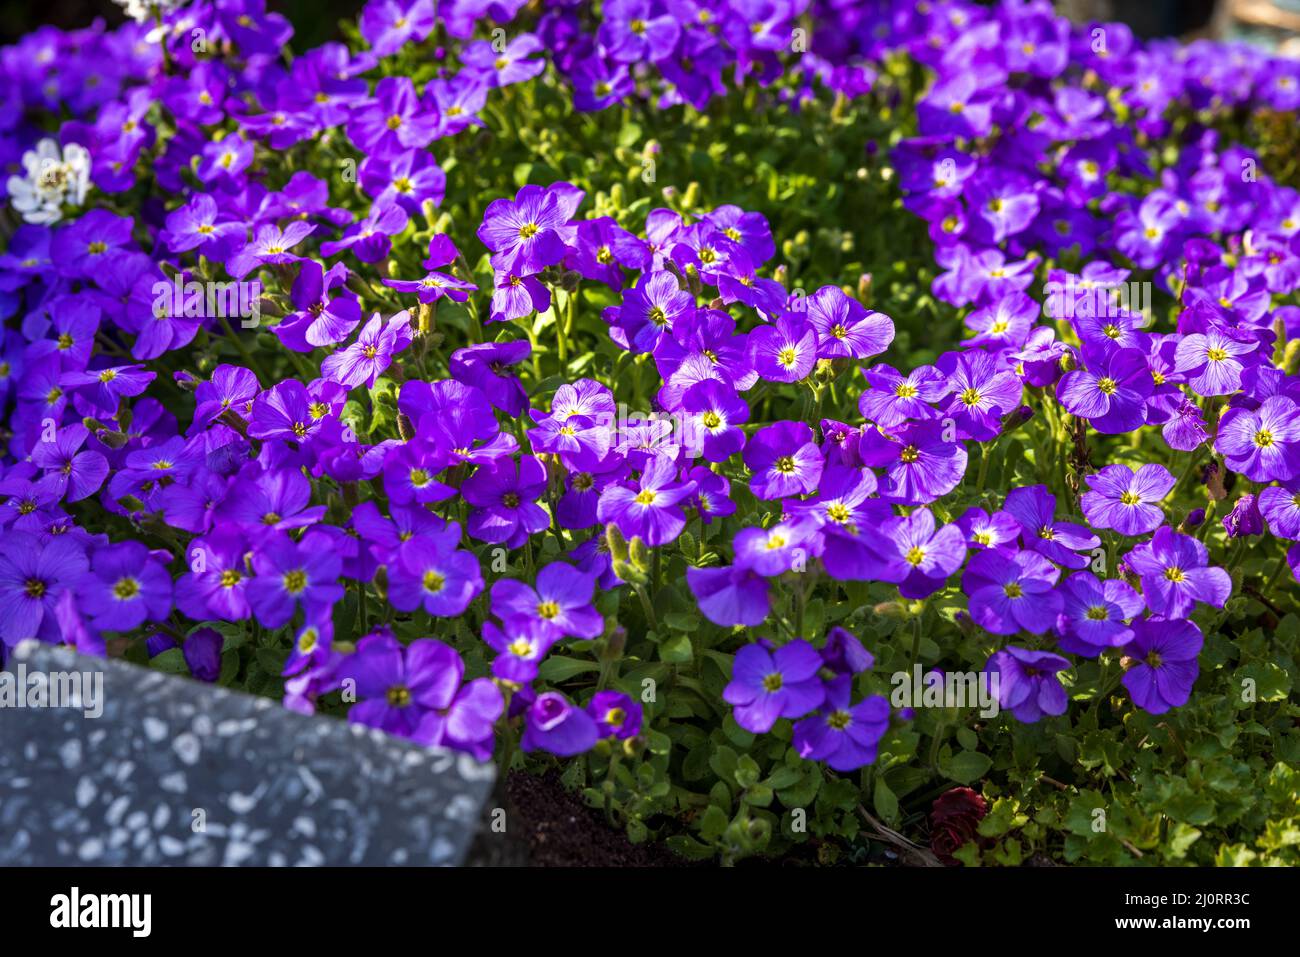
178,772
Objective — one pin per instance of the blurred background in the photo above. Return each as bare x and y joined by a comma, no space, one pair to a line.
1274,24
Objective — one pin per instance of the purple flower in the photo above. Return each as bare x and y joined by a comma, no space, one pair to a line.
552,723
290,574
1111,391
785,351
998,531
983,390
652,511
652,308
71,474
916,556
521,644
526,234
892,398
388,25
1262,444
1095,612
367,358
430,572
218,581
560,604
486,366
730,595
766,686
125,587
784,459
844,654
773,551
1126,501
1175,576
327,310
270,247
32,577
1280,505
845,328
844,735
715,413
1034,508
1245,518
504,496
1210,361
616,715
396,685
1027,682
921,462
1009,593
1165,667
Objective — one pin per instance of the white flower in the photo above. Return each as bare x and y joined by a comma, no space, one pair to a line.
143,10
52,179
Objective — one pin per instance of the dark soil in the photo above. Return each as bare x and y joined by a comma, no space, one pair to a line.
557,829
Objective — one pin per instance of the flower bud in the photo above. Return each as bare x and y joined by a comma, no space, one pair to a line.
617,543
639,552
1244,519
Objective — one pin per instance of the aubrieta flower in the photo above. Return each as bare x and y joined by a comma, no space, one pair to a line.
916,555
429,571
560,604
554,724
785,351
844,735
1010,593
616,715
367,358
124,587
32,578
1127,501
520,644
652,509
504,496
1110,391
784,459
293,574
1176,574
526,234
846,328
1028,683
769,685
1262,444
1164,667
1095,613
730,595
1280,505
1034,508
271,246
922,461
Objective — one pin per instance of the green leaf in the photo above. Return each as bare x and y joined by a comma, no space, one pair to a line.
966,767
884,801
558,668
171,661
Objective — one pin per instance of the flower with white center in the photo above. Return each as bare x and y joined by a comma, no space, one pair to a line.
53,178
